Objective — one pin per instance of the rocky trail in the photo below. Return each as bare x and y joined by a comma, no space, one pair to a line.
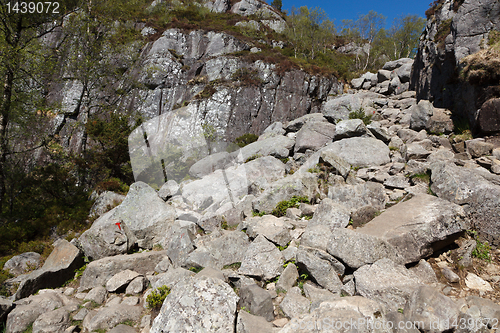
325,221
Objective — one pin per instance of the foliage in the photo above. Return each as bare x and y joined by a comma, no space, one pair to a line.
253,157
443,31
258,214
360,114
277,4
196,269
282,206
156,297
247,77
245,139
234,266
433,8
482,250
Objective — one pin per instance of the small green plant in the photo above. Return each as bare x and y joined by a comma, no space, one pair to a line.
281,248
245,139
400,310
157,247
244,308
482,250
253,157
302,279
196,269
157,296
282,206
314,170
289,262
284,160
234,266
360,114
258,214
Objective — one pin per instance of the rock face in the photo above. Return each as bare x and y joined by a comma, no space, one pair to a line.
454,32
198,305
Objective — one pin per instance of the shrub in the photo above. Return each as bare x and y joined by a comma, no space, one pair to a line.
282,206
245,139
442,32
157,296
360,114
247,77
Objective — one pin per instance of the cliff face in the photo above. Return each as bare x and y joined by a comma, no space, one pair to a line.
226,82
456,30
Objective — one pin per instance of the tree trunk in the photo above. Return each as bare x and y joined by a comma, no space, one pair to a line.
4,121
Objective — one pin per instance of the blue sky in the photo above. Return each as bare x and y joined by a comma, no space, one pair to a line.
339,10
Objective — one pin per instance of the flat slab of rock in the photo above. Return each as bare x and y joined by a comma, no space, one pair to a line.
198,305
110,316
98,272
121,280
258,301
387,283
475,282
263,259
355,197
361,151
321,267
59,267
357,249
419,226
274,229
248,323
313,136
330,213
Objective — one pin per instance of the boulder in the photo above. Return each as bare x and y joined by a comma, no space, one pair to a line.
404,72
350,128
357,249
29,309
23,262
122,328
463,186
321,267
318,295
168,190
395,64
109,239
55,321
110,316
98,272
314,135
355,197
106,201
59,267
287,278
337,164
383,75
276,230
179,241
330,213
298,184
97,294
429,307
477,147
277,146
296,124
386,282
488,118
248,323
340,107
361,151
316,236
419,226
5,307
262,259
198,305
348,311
209,164
294,304
120,280
144,213
420,115
257,301
170,278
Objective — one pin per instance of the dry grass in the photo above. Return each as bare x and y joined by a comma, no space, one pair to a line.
483,67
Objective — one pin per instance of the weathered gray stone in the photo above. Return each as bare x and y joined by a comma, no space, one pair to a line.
211,272
59,267
298,184
322,268
106,201
258,301
276,230
399,182
29,309
330,213
97,294
473,281
262,259
169,189
413,151
110,316
420,115
122,328
294,304
356,249
379,132
99,271
350,128
357,83
404,72
198,305
113,238
477,147
463,186
344,310
419,226
5,307
360,151
425,272
436,311
395,64
23,262
383,75
386,282
55,321
355,197
144,213
120,280
314,135
179,241
340,107
288,277
248,323
318,295
278,146
209,164
336,163
316,236
450,275
296,124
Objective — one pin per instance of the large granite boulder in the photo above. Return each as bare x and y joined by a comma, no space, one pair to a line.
23,262
198,305
418,227
361,151
59,267
464,186
262,260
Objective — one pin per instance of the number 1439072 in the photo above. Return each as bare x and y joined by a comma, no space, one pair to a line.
33,7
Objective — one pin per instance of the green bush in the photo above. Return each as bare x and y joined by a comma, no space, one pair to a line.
157,296
282,206
245,139
360,114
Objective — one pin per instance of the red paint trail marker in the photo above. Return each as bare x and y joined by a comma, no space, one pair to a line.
119,225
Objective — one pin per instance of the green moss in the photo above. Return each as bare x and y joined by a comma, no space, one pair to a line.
196,269
245,139
253,157
234,266
360,114
443,31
